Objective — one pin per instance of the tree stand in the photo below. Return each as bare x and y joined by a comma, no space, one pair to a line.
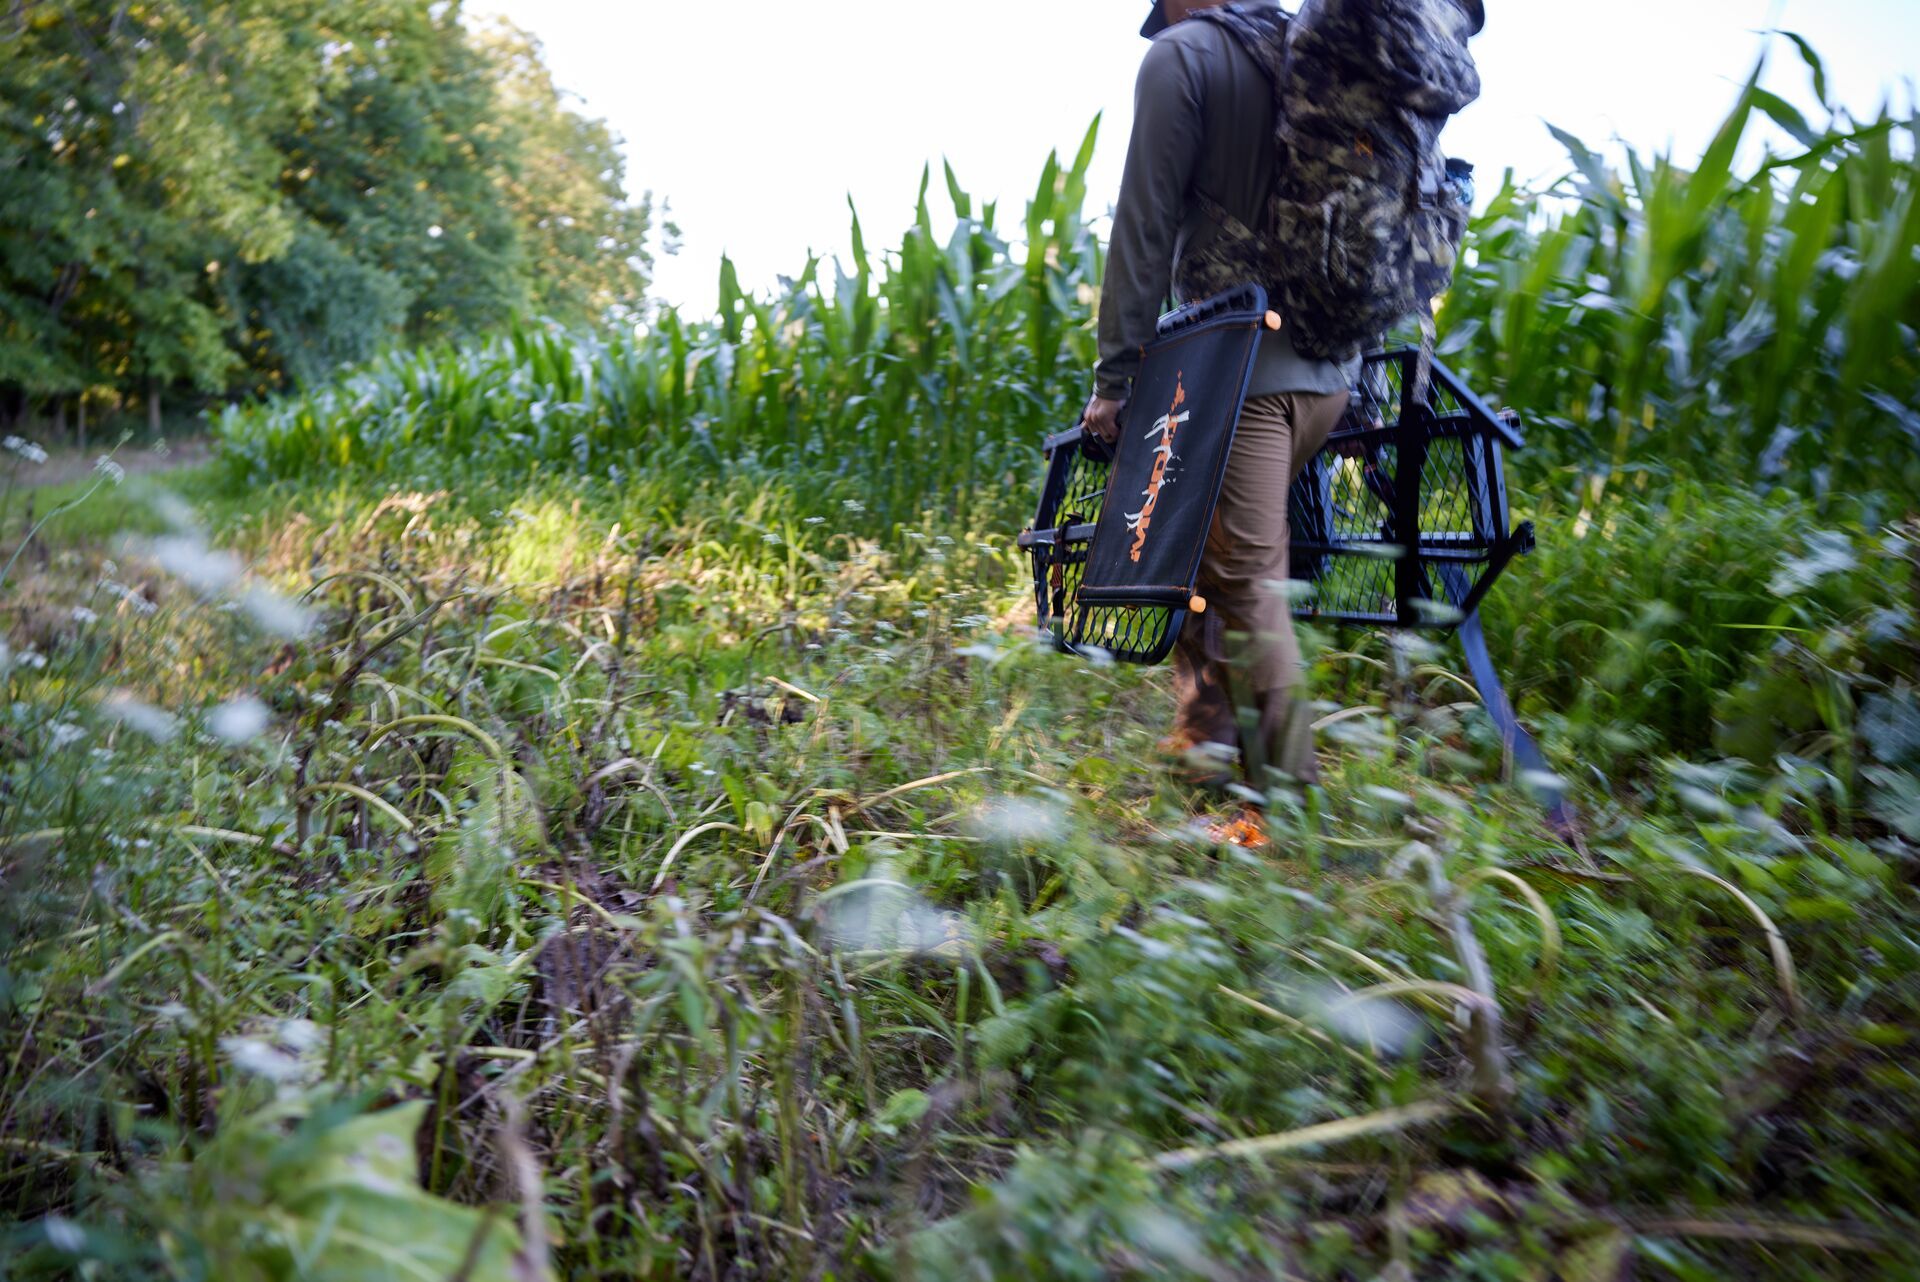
1401,521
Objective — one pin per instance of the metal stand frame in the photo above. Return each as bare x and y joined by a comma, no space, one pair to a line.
1520,745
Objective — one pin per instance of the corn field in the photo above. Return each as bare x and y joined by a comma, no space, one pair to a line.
913,380
1753,329
1749,329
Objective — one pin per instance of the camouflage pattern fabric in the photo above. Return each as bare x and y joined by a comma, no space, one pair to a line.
1362,228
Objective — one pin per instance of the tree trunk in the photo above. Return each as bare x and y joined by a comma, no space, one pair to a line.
80,421
153,408
59,418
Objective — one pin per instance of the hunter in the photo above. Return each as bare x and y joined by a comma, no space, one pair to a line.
1204,123
1301,155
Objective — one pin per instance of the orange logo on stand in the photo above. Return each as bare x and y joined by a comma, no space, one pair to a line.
1165,428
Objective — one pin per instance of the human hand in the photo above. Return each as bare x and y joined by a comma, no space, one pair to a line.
1102,417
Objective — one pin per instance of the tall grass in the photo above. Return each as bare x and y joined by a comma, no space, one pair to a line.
697,927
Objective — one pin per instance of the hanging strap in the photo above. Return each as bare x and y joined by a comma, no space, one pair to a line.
1423,363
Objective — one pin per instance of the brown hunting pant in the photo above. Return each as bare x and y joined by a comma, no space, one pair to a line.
1239,662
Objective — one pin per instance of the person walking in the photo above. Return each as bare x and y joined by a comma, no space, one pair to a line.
1202,145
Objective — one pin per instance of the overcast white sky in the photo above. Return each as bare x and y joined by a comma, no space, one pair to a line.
757,118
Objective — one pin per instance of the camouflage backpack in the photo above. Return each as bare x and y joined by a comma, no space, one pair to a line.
1362,227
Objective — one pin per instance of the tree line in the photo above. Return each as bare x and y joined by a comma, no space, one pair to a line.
207,198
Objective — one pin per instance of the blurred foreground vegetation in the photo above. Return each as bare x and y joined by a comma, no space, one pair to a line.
612,819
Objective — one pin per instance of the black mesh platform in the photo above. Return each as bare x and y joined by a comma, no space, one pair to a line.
1398,477
1119,575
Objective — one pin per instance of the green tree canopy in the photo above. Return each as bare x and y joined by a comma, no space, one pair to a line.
236,194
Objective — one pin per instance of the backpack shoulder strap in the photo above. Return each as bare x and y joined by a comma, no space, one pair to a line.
1260,29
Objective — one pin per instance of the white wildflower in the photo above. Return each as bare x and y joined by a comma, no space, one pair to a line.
1704,805
878,912
83,616
20,446
251,1055
156,723
300,1035
239,720
174,510
64,733
64,1235
1544,781
1098,656
187,557
1287,589
1439,614
1371,1021
1015,821
1412,647
277,614
1391,798
106,467
128,597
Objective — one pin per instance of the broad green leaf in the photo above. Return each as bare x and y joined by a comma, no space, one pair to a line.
962,203
1811,57
1786,115
341,1202
1591,167
902,1109
1713,176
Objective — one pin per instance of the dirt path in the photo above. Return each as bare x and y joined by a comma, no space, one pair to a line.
71,465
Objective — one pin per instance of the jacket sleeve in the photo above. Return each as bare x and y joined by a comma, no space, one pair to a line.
1168,133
